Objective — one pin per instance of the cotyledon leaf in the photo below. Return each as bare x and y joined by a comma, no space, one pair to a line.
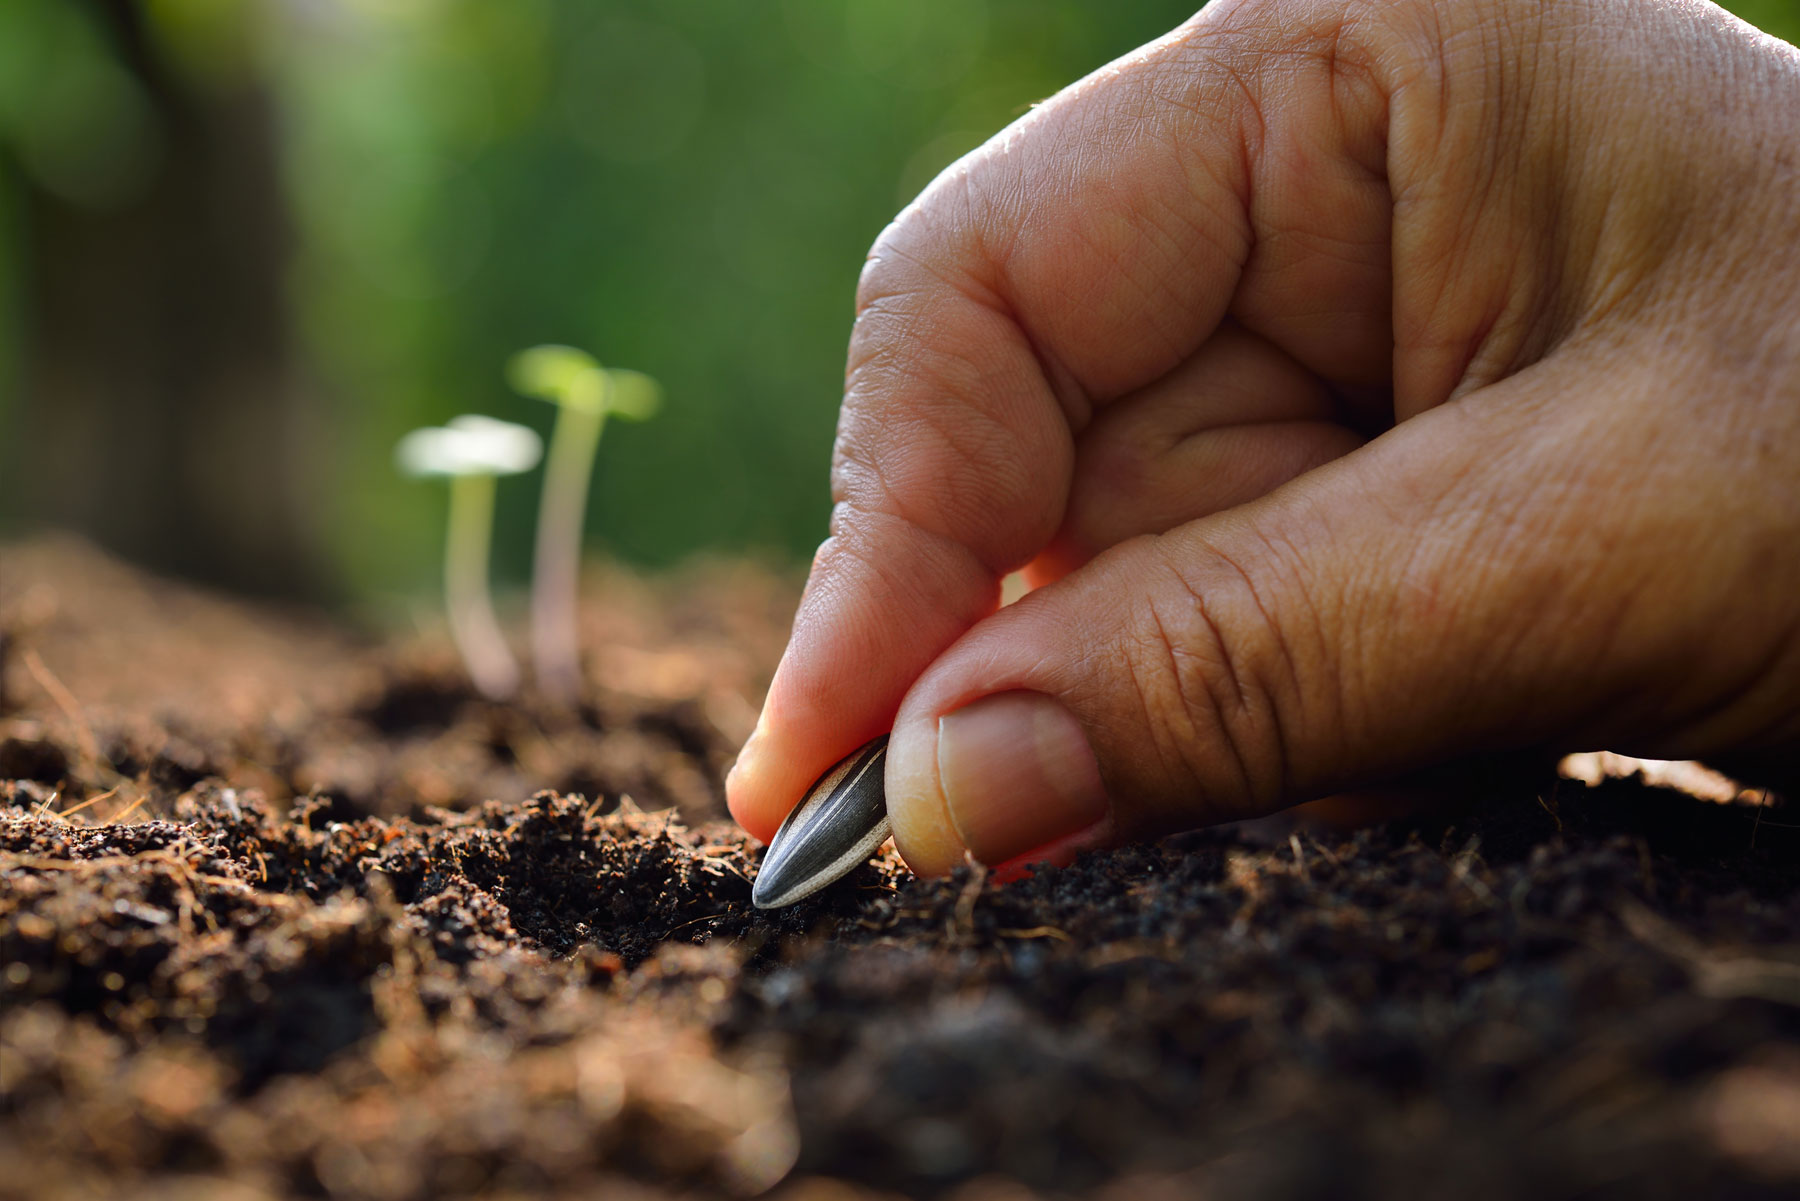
836,826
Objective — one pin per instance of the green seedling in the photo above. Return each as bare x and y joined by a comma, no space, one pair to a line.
585,395
471,452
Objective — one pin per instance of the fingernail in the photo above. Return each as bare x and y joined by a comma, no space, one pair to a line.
1017,773
923,832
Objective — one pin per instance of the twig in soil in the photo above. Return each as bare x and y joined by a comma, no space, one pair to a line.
1036,932
1463,873
42,863
962,926
1762,805
71,708
65,814
1109,954
1551,806
10,860
1714,974
1299,858
126,812
13,860
718,865
705,917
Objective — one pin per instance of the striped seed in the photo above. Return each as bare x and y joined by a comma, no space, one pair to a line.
835,827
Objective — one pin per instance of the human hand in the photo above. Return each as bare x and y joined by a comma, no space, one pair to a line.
1362,383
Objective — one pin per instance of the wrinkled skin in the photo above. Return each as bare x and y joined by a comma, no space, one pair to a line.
1360,382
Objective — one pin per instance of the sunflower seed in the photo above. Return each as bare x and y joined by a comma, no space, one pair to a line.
835,827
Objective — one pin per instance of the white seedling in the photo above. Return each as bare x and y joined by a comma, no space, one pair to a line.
585,394
471,452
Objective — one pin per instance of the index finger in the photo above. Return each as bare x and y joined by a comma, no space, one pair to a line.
1082,253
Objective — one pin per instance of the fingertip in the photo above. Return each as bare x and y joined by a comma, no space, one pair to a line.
1007,778
757,790
862,636
923,832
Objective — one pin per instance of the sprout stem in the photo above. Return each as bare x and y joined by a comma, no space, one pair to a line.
555,645
473,625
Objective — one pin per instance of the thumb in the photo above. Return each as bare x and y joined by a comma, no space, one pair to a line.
1400,605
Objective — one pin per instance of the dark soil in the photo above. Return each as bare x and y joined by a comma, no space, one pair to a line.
285,914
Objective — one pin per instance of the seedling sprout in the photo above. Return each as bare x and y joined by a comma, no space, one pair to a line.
471,452
585,394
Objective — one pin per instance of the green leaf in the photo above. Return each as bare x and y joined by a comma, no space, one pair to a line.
560,374
633,395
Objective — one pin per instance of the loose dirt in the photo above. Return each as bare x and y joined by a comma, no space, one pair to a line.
286,913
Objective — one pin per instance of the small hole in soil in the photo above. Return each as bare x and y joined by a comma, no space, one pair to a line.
588,786
180,765
680,726
406,706
36,759
319,810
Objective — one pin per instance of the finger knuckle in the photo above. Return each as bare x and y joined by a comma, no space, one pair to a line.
1211,667
943,466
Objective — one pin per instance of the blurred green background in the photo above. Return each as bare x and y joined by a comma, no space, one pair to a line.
246,244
